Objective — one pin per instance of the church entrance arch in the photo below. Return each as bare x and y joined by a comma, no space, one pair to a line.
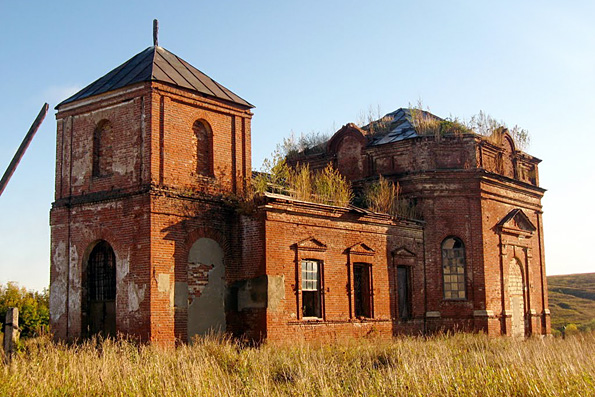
99,313
206,288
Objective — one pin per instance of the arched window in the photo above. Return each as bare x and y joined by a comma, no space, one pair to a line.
102,149
453,268
204,148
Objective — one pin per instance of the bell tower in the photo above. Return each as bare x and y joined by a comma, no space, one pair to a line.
144,157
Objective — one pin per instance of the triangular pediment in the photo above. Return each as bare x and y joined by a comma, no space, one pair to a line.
403,252
311,244
516,222
361,249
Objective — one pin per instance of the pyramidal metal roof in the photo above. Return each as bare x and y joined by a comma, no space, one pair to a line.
157,64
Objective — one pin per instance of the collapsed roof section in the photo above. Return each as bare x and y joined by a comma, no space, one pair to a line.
399,127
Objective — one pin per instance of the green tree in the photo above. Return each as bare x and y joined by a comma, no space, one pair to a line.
34,314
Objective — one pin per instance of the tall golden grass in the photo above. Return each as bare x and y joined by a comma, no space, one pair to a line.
442,365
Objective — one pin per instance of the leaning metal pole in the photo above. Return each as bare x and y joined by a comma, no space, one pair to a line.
19,154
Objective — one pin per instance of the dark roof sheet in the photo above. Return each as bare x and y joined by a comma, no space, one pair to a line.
400,127
157,64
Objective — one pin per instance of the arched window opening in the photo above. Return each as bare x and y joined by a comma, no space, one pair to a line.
453,268
102,149
100,288
204,148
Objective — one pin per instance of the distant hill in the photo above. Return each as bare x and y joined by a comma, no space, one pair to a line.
572,300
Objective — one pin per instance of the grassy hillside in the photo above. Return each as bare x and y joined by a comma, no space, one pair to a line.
457,365
572,300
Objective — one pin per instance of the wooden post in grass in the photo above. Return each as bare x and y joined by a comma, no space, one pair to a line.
11,333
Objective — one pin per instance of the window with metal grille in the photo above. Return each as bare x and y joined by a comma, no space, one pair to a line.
453,267
311,289
102,273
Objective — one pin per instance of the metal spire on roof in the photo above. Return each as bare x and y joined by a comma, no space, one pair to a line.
155,32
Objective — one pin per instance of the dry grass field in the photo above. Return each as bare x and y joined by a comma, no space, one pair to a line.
455,365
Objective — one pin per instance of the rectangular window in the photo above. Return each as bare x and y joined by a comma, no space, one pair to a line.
311,289
404,292
362,290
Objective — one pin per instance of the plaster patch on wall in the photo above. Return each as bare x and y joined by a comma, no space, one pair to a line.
57,300
258,293
164,285
124,166
58,287
124,267
75,294
103,206
163,282
135,296
74,256
181,295
276,292
252,293
80,165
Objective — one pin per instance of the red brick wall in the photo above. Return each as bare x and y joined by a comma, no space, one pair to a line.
125,225
463,187
76,127
501,247
288,229
149,207
152,205
173,154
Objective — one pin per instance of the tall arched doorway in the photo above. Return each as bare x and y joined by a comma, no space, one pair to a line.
517,299
99,314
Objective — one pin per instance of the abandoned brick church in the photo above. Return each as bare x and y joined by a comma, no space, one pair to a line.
147,242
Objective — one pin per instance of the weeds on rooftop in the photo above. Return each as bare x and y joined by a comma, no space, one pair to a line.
483,124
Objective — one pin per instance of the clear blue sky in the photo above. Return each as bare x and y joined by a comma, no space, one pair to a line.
314,66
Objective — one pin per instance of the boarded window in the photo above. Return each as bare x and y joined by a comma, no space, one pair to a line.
362,290
102,149
204,148
453,267
311,289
